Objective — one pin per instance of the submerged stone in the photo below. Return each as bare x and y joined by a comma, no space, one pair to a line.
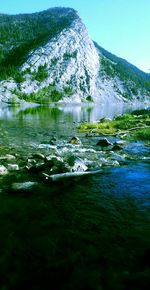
28,185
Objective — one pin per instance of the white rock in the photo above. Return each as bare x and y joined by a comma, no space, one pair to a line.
3,170
71,58
12,167
79,165
10,157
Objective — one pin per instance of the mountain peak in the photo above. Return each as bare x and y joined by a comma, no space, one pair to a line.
50,55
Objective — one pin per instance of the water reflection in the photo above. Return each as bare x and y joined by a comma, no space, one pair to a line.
68,113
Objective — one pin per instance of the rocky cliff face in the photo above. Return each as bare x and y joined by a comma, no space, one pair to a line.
66,65
71,60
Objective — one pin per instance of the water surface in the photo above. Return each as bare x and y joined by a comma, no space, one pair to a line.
89,233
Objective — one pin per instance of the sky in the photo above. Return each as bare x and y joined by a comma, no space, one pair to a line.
120,26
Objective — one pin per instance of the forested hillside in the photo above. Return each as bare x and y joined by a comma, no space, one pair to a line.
20,34
112,66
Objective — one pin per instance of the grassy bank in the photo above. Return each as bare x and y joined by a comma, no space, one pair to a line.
130,126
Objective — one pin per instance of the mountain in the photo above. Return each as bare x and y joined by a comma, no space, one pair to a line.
49,56
133,81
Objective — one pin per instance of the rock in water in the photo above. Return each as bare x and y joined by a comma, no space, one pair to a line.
10,157
79,165
75,141
103,143
13,167
117,147
3,170
53,141
38,156
24,186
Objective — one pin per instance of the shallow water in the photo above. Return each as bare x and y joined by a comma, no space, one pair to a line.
88,233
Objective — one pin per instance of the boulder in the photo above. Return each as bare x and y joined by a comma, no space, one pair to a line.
53,141
117,147
12,167
104,143
79,165
59,166
75,141
38,156
10,157
3,170
53,158
36,167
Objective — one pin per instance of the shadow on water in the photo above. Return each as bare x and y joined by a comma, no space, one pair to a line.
75,236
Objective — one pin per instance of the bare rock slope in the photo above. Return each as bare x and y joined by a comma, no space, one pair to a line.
60,62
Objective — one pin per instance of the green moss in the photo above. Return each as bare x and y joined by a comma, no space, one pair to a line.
143,134
99,128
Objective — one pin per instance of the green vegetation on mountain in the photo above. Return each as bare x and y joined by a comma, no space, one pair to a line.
21,34
113,66
45,95
41,74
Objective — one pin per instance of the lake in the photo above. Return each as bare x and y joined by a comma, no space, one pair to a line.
86,233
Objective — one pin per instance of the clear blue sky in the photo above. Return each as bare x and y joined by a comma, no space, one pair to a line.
120,26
